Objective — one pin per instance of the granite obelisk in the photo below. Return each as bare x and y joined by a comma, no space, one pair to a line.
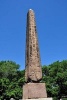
33,88
33,70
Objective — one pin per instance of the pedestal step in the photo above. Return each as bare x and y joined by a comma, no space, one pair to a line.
34,90
39,99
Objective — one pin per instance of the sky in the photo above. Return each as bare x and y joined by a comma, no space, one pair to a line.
51,21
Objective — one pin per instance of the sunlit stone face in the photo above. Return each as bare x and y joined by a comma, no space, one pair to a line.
33,71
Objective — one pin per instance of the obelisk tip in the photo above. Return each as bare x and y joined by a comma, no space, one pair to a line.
30,9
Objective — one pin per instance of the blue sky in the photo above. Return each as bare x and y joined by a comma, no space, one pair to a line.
51,21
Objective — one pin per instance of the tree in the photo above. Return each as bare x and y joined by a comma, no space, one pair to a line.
55,77
11,80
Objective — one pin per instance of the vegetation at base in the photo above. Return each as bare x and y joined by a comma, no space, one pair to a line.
64,98
12,80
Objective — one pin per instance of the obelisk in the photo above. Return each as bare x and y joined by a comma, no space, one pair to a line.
33,71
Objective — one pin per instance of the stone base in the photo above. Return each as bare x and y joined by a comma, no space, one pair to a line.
34,91
39,99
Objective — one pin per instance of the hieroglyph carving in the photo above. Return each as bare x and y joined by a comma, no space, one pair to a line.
33,71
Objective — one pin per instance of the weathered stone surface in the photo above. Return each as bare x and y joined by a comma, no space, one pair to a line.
39,99
33,71
34,91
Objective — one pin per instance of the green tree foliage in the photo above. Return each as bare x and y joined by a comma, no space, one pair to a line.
55,77
12,80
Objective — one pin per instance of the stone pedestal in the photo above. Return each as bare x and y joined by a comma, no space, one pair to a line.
34,91
39,99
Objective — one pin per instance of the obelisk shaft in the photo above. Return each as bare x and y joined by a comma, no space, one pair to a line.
33,89
33,71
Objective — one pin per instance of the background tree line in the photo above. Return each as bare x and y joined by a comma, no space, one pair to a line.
12,80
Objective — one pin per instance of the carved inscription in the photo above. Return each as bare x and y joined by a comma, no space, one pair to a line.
33,71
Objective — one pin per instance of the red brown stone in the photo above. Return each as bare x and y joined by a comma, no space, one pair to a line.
34,91
33,71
